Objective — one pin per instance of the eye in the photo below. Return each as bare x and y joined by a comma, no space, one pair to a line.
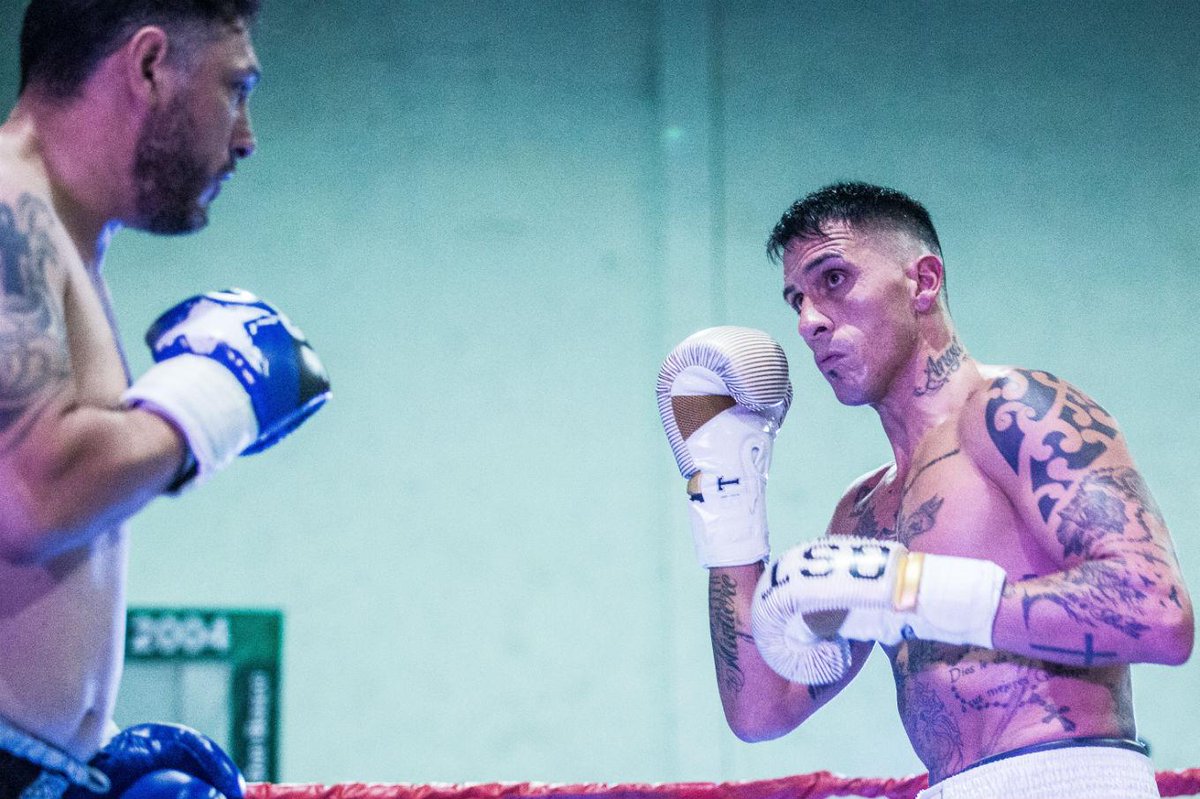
834,278
795,301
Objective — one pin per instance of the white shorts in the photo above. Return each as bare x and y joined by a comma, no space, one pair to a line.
1069,772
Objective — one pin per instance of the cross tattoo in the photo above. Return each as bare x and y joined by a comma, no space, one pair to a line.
1089,652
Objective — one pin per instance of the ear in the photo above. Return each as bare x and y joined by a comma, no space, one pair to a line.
929,272
145,62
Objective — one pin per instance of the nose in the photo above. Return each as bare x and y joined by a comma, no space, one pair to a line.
813,324
243,142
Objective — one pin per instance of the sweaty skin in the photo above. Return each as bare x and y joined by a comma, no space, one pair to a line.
1011,465
74,464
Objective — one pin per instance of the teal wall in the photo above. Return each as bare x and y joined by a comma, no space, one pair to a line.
494,219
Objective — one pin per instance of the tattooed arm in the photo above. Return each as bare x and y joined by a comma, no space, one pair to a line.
758,703
71,467
1063,464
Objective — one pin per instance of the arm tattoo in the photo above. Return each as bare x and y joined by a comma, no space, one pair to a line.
1079,434
725,636
33,350
938,371
1097,592
1106,589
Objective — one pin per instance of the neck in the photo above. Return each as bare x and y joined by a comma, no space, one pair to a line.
930,390
79,154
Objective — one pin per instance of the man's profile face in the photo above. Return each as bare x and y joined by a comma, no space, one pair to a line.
855,309
191,141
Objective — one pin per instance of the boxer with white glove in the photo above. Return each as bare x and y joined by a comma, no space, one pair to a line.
722,394
232,374
869,590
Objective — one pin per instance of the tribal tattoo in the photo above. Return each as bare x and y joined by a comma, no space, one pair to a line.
1082,431
33,351
722,611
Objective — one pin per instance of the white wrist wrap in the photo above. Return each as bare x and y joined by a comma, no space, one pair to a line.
722,395
728,511
957,600
205,402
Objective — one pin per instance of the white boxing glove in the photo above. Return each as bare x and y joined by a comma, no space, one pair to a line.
867,590
722,395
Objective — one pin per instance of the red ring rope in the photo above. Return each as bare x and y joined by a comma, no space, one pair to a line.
817,785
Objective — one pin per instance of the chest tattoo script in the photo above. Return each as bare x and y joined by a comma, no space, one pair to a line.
1079,434
938,370
32,333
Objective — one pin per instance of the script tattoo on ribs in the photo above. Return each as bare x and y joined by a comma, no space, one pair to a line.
33,350
1081,432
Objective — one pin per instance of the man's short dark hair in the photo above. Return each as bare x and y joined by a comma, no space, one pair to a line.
859,205
62,41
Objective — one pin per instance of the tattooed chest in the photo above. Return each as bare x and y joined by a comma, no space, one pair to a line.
943,505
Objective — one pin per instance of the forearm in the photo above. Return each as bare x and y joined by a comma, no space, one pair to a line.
1121,609
758,703
81,470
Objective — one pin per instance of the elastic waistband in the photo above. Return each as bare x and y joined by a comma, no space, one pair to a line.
51,760
1065,743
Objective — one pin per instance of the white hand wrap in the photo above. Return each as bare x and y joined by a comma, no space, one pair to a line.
887,594
722,395
205,402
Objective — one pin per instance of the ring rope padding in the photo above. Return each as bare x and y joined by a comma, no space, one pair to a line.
817,785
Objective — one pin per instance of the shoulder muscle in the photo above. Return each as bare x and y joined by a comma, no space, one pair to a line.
1038,436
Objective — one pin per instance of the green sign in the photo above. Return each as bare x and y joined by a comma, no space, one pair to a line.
174,651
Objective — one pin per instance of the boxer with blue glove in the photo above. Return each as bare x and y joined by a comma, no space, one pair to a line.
233,374
128,115
163,761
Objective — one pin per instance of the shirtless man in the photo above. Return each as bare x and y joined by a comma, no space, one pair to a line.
129,114
1011,657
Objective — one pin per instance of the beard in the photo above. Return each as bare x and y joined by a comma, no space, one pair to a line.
170,177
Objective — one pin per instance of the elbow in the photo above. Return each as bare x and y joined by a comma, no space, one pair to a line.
33,528
755,727
22,540
1179,635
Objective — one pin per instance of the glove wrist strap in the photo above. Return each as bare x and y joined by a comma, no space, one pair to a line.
207,404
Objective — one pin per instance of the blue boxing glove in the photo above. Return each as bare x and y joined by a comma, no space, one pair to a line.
164,761
232,374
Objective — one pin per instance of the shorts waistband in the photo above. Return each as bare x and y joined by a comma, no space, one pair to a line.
58,770
1065,743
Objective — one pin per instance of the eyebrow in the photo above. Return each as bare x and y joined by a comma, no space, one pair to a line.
818,261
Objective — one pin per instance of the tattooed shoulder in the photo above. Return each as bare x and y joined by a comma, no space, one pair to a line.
1047,431
33,343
